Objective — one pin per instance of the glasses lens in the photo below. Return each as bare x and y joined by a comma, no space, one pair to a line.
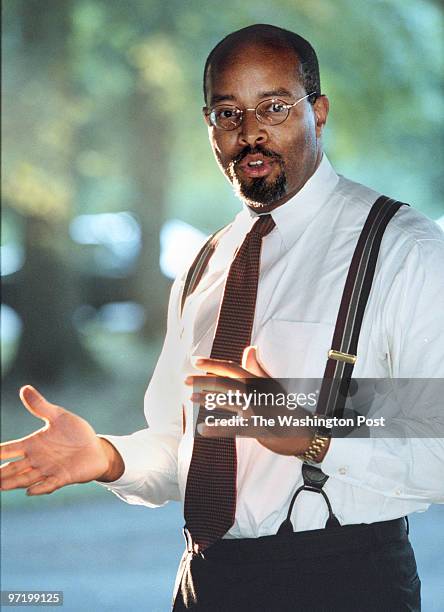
272,112
226,117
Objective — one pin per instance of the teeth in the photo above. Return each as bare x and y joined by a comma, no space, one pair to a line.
258,162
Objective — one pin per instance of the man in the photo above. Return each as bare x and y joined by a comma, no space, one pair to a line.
265,114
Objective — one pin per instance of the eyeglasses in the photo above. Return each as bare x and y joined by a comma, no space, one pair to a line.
269,112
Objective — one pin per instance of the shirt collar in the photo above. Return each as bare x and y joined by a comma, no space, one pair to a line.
293,217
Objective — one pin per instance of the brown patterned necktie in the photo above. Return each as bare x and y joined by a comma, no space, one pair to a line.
210,496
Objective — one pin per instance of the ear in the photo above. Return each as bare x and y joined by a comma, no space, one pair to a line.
321,108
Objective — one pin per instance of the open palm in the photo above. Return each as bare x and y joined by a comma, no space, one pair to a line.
65,451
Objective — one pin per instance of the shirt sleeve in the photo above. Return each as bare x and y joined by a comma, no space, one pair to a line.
409,467
150,455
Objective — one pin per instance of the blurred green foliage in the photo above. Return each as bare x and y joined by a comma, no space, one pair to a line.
381,64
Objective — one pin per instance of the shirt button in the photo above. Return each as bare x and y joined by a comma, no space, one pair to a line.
398,492
342,470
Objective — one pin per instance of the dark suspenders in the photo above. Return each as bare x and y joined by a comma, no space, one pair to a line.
343,353
200,263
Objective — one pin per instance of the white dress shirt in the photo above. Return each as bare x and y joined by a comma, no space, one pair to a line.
304,263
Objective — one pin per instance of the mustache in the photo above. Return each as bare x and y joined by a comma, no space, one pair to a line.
254,151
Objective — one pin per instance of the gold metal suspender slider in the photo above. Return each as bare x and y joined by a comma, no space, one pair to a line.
338,356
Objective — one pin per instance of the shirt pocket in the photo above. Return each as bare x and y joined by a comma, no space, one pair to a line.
294,349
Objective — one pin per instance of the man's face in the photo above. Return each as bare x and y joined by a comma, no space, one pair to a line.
287,153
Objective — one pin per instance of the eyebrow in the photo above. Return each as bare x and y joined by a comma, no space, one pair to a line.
215,98
276,92
220,97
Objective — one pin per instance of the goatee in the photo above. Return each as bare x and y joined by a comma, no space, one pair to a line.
259,192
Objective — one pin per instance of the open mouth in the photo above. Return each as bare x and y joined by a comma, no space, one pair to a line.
256,165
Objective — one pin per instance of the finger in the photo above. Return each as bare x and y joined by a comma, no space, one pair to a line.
14,467
214,384
10,450
7,483
210,381
38,405
218,385
195,360
251,362
22,481
222,368
195,380
49,485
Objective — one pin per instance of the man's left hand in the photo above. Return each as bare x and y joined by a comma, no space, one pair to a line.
227,375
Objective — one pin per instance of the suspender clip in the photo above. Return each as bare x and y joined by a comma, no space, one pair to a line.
192,547
188,540
338,356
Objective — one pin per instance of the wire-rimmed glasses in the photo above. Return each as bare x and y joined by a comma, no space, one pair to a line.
269,112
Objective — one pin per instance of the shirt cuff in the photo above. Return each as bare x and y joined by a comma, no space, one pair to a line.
150,475
125,447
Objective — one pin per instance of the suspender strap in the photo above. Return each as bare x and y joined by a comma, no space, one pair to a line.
342,355
199,264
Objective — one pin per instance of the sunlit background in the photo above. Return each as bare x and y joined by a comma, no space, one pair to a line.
109,187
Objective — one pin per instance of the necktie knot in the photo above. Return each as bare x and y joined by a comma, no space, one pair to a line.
263,225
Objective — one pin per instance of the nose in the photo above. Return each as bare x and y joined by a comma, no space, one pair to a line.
251,131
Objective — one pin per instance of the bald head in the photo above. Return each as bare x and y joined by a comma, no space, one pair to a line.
266,38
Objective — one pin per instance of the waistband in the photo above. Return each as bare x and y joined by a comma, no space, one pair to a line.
307,544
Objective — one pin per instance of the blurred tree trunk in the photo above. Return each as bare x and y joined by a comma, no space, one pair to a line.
149,168
49,345
49,289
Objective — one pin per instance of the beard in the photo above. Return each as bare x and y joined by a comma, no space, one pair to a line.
258,192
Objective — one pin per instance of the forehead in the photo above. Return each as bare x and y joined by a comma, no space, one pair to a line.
248,70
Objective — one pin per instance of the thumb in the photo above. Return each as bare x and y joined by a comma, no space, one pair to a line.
37,404
250,362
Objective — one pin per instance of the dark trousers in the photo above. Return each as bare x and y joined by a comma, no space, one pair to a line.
356,568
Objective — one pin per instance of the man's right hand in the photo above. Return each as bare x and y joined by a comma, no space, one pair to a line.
65,451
